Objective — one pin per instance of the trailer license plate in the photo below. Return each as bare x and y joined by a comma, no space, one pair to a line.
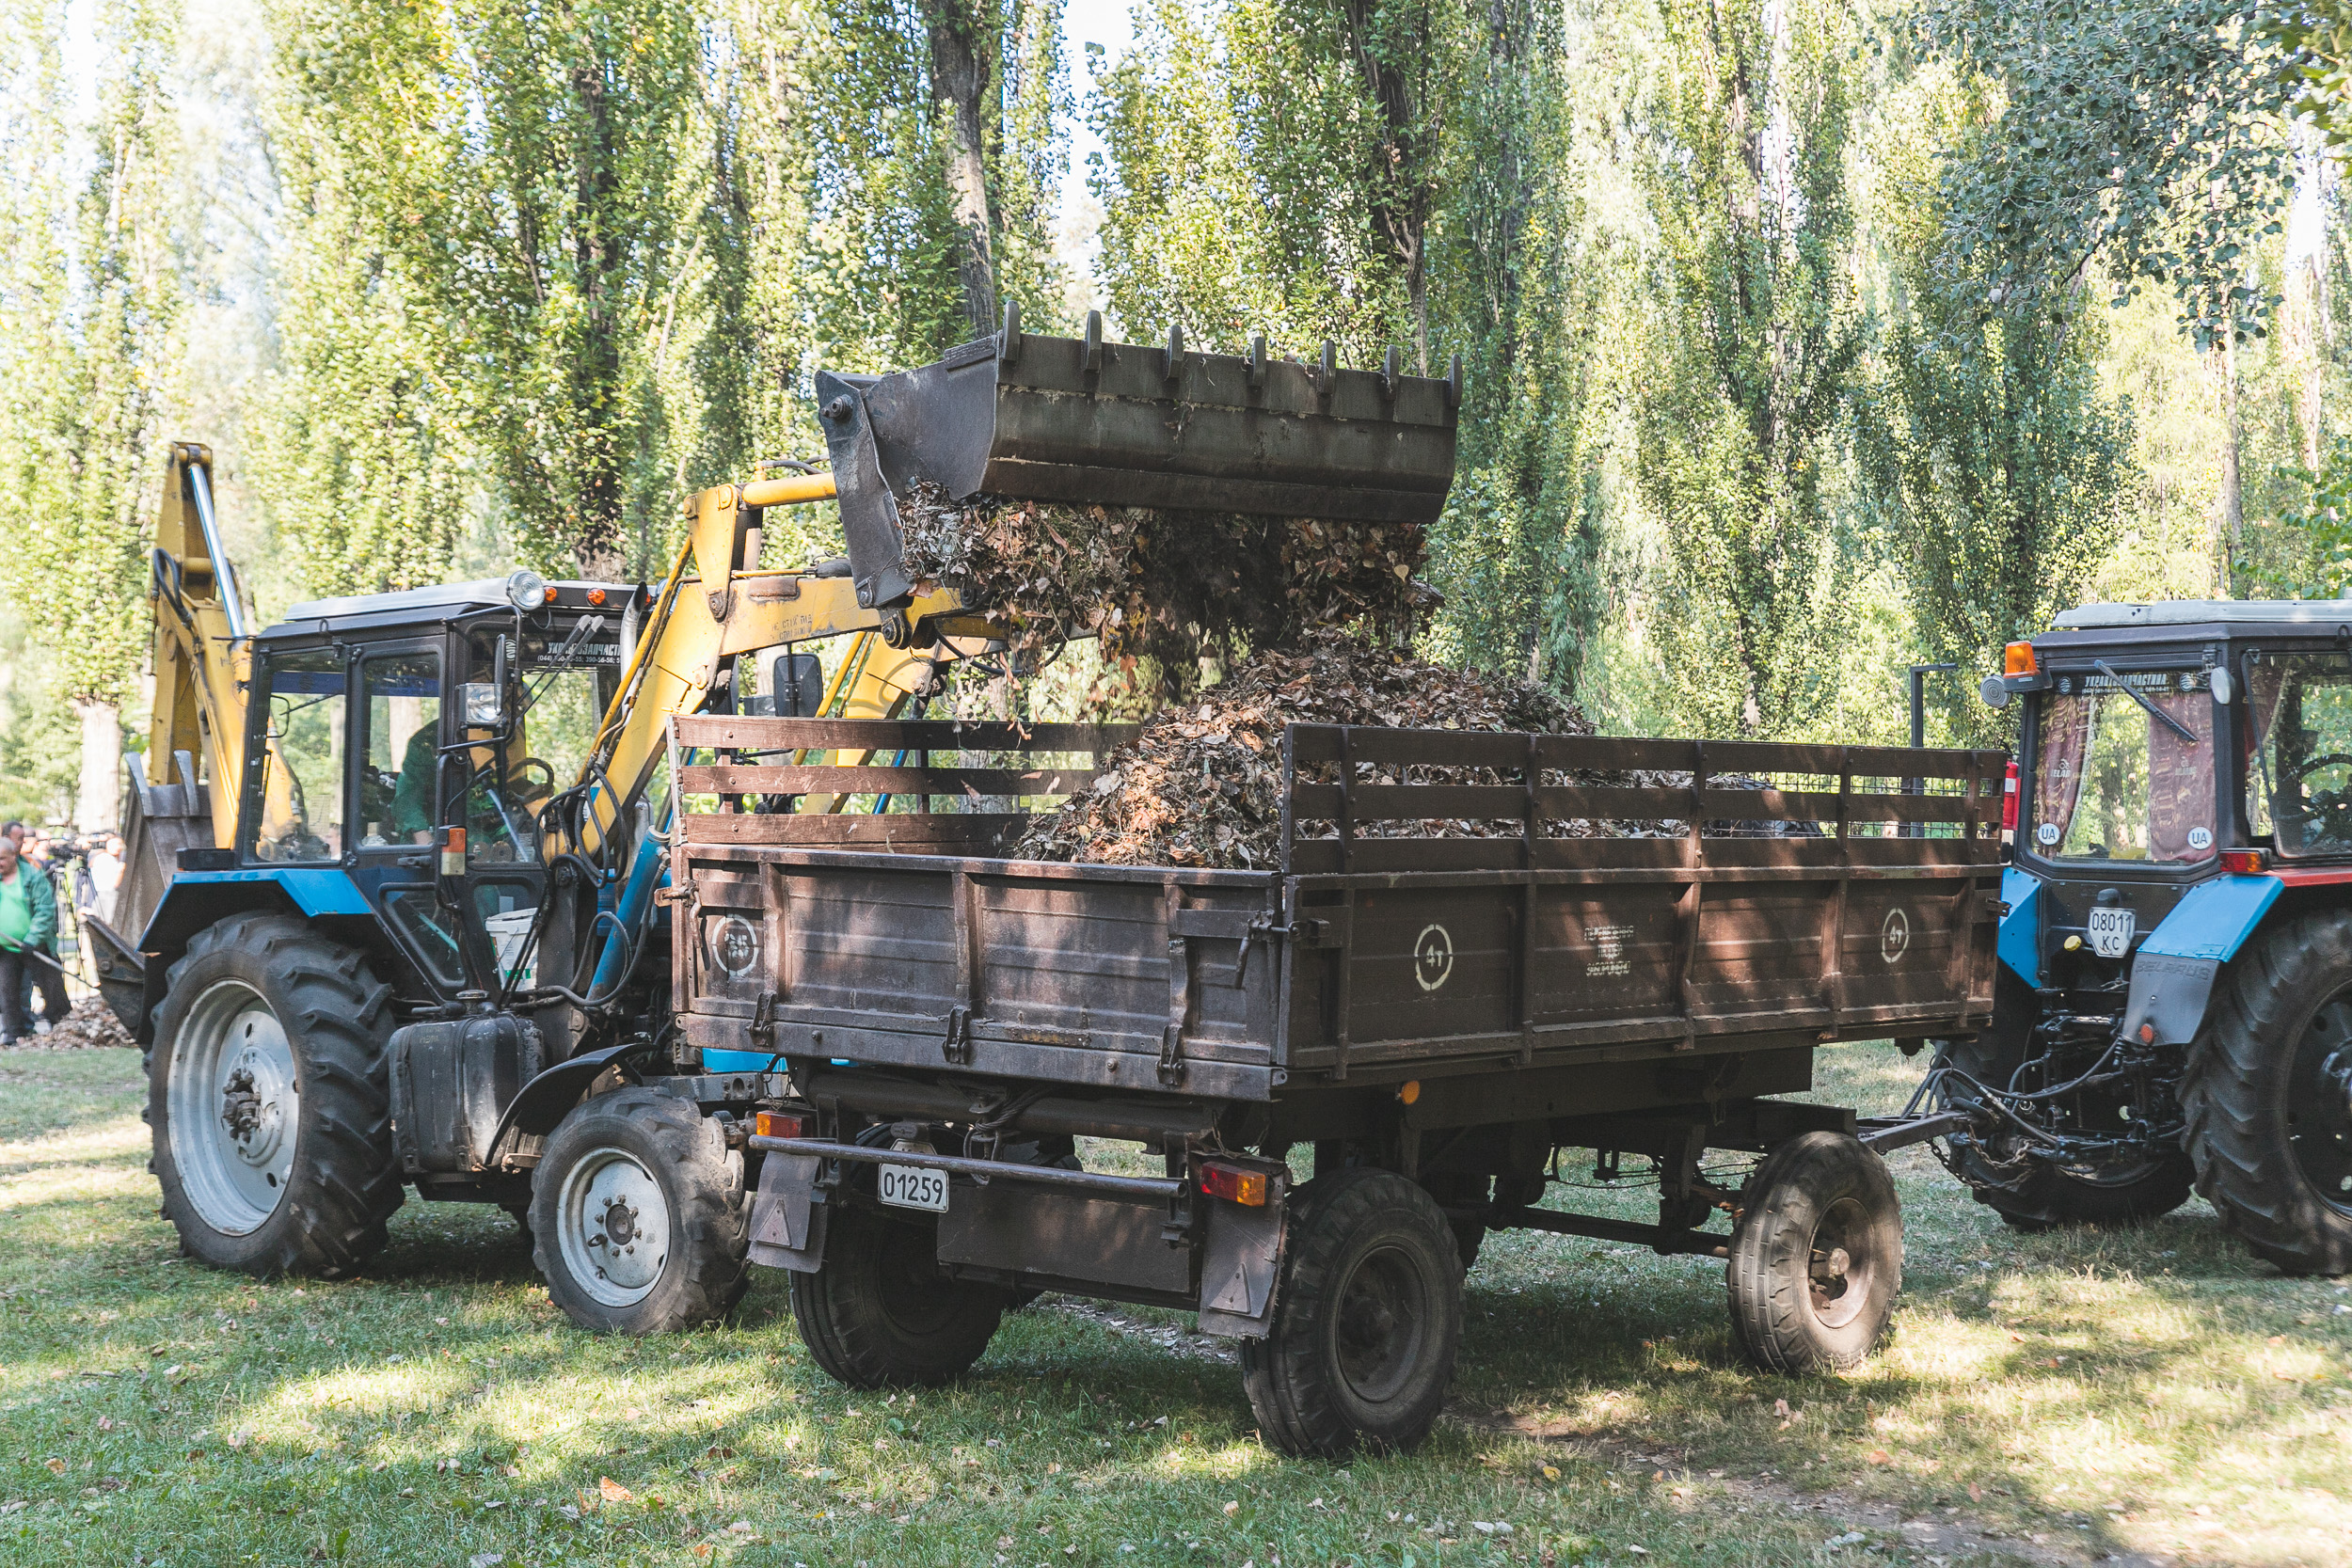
2111,932
911,1187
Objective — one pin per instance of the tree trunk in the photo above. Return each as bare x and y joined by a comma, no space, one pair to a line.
596,371
965,86
1402,186
97,799
2230,521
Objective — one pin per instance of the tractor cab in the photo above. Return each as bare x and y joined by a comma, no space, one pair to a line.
2183,768
2163,746
403,753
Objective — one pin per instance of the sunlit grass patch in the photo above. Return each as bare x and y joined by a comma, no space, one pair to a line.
2097,1390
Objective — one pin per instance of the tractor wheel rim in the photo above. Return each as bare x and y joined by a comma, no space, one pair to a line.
1840,1264
235,1108
614,1224
2319,1102
1383,1317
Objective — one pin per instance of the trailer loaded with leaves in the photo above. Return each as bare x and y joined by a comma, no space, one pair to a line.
1475,953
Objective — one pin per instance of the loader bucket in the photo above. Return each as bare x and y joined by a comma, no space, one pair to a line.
1027,417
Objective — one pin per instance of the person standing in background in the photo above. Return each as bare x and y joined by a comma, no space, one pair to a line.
28,925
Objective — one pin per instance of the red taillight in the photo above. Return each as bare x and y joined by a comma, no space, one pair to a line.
779,1124
1234,1185
2008,801
2246,863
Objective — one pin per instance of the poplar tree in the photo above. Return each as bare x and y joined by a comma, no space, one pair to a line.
93,303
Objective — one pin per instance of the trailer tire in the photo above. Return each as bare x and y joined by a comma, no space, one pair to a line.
2269,1097
268,1102
2046,1198
880,1314
1367,1318
1817,1258
655,1165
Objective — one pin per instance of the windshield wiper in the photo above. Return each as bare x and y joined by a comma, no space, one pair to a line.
2141,698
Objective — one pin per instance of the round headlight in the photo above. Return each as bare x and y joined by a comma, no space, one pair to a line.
526,589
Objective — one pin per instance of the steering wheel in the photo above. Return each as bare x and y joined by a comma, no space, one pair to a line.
536,790
2313,765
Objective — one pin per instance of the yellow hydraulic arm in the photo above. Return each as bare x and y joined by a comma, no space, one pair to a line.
203,653
715,604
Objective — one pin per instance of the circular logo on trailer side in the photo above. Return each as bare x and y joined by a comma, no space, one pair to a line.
1895,936
736,946
1433,957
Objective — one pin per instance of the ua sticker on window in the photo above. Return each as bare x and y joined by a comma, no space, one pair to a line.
2047,832
2201,838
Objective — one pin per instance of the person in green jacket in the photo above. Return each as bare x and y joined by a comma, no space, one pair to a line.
28,926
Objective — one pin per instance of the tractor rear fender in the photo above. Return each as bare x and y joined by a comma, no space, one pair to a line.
2173,972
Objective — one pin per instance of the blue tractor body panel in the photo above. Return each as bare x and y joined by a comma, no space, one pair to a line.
2214,918
2020,942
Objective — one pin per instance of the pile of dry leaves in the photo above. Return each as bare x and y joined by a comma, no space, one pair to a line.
1202,784
91,1024
1165,586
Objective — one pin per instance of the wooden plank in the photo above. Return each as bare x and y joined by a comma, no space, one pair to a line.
764,780
1902,762
1371,856
1634,805
740,732
1774,756
1386,748
1409,802
914,832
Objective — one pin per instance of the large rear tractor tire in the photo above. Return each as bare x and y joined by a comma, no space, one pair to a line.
880,1314
1817,1257
2044,1198
639,1221
1367,1318
267,1095
2269,1096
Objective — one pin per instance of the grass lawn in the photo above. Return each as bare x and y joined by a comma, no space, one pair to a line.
2052,1399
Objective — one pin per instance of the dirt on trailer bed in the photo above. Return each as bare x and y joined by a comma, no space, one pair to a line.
1166,587
1202,784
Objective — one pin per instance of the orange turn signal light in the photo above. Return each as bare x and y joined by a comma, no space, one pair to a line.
2246,863
596,595
452,852
2017,660
778,1124
1410,1092
550,592
1234,1185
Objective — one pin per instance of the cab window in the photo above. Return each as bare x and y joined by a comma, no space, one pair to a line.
302,760
563,687
401,738
2125,774
2299,768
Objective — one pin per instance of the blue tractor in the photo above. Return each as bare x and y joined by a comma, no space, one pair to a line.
2174,1010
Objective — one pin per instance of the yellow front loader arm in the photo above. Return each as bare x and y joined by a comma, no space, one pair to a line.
714,604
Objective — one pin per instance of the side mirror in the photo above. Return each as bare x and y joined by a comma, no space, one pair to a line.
1995,691
2223,687
483,705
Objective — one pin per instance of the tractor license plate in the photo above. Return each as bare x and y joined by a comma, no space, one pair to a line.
911,1187
2111,932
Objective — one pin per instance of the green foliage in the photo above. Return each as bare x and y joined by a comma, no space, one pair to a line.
1757,335
2145,134
1983,435
2324,526
93,303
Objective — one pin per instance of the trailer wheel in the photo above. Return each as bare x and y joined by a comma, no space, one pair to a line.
1818,1257
2268,1095
639,1221
266,1095
880,1314
2043,1197
1367,1316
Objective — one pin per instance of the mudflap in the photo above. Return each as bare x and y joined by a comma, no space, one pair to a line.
788,1214
1241,1259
